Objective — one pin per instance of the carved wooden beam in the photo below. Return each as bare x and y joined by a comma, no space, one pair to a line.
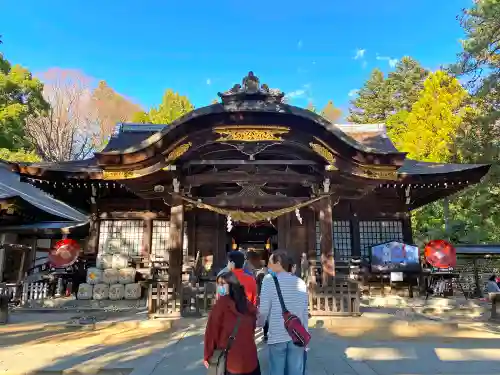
248,162
240,176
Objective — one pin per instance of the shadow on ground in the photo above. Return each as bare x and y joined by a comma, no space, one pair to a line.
351,346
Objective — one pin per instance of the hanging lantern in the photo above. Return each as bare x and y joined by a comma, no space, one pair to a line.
65,253
268,244
234,245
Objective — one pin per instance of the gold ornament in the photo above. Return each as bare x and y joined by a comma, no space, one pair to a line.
325,154
376,173
119,175
251,133
177,152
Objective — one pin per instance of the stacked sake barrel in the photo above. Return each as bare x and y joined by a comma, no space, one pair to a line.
111,279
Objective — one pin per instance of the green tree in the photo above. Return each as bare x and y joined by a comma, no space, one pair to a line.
382,97
434,121
20,96
331,113
405,84
480,56
171,108
19,156
372,104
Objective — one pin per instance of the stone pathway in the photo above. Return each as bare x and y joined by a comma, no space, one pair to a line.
150,351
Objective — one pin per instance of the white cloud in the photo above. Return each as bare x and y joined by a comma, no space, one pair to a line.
360,54
392,62
352,92
209,81
303,92
299,44
296,94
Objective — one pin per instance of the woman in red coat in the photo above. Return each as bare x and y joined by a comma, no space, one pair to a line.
233,303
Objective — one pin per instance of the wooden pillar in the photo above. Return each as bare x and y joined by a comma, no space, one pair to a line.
93,241
284,234
147,237
326,241
310,222
219,259
191,227
176,241
2,255
406,226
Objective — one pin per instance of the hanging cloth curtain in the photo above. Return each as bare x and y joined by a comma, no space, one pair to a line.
251,217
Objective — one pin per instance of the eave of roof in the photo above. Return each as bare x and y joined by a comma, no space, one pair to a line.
11,187
53,227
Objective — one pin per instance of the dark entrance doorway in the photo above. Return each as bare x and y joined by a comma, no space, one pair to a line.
260,238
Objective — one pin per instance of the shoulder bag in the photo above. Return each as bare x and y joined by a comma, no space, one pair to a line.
293,325
218,361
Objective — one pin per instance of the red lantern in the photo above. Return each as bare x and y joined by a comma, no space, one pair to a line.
440,254
65,253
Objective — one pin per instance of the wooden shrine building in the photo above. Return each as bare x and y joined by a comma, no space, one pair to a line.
250,171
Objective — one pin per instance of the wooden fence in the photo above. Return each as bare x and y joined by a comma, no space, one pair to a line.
341,297
188,300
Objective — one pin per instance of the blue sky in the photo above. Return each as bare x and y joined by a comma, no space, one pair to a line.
313,50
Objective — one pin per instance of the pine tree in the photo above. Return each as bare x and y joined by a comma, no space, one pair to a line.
405,84
372,104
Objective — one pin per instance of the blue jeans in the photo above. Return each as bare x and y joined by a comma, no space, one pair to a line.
285,358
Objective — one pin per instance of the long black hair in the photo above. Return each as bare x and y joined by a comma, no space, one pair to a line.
236,292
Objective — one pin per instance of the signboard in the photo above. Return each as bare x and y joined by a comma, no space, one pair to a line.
394,256
396,276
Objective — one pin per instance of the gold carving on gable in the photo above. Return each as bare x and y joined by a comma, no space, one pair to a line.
376,173
325,154
251,133
177,152
119,175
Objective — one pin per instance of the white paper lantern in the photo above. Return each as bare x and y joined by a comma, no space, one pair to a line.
116,292
101,291
133,291
94,276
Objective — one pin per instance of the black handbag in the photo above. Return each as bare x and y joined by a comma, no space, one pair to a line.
218,361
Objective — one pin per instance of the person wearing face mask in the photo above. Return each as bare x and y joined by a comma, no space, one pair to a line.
232,315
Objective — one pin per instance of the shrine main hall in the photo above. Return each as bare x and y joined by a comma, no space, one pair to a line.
248,172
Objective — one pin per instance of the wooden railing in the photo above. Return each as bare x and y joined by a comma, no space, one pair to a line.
35,291
188,300
340,297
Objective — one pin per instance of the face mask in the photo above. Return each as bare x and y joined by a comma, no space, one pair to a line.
222,290
271,272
